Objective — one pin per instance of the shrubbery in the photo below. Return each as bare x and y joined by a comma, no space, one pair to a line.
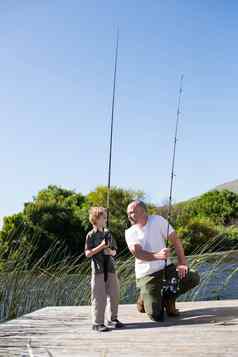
58,218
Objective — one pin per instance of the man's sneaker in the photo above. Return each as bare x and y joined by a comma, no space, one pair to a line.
140,305
169,305
115,323
100,328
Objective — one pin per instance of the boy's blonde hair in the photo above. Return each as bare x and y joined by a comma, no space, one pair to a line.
95,213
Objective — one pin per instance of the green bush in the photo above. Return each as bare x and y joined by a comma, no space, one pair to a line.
198,235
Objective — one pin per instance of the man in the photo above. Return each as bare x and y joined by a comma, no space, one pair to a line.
146,240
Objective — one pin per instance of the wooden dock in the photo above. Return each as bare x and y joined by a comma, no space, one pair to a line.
208,328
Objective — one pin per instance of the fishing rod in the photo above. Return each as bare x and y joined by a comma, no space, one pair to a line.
171,288
107,235
174,154
111,131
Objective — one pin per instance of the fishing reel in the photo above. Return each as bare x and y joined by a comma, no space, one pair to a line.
108,241
107,237
170,288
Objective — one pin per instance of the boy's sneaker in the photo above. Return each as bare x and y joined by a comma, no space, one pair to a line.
115,323
100,328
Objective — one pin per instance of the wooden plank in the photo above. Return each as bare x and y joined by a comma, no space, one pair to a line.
204,328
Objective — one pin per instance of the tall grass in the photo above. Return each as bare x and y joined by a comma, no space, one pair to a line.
68,281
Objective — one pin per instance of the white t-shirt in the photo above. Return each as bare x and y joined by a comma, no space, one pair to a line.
151,237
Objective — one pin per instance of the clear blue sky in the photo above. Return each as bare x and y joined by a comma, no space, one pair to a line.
56,65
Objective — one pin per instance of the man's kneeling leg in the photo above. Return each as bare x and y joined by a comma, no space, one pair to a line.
150,298
168,304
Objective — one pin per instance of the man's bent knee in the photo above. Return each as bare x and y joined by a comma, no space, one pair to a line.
195,278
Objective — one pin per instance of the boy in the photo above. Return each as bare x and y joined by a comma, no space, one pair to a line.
101,248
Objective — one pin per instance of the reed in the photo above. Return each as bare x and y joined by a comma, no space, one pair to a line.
67,282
